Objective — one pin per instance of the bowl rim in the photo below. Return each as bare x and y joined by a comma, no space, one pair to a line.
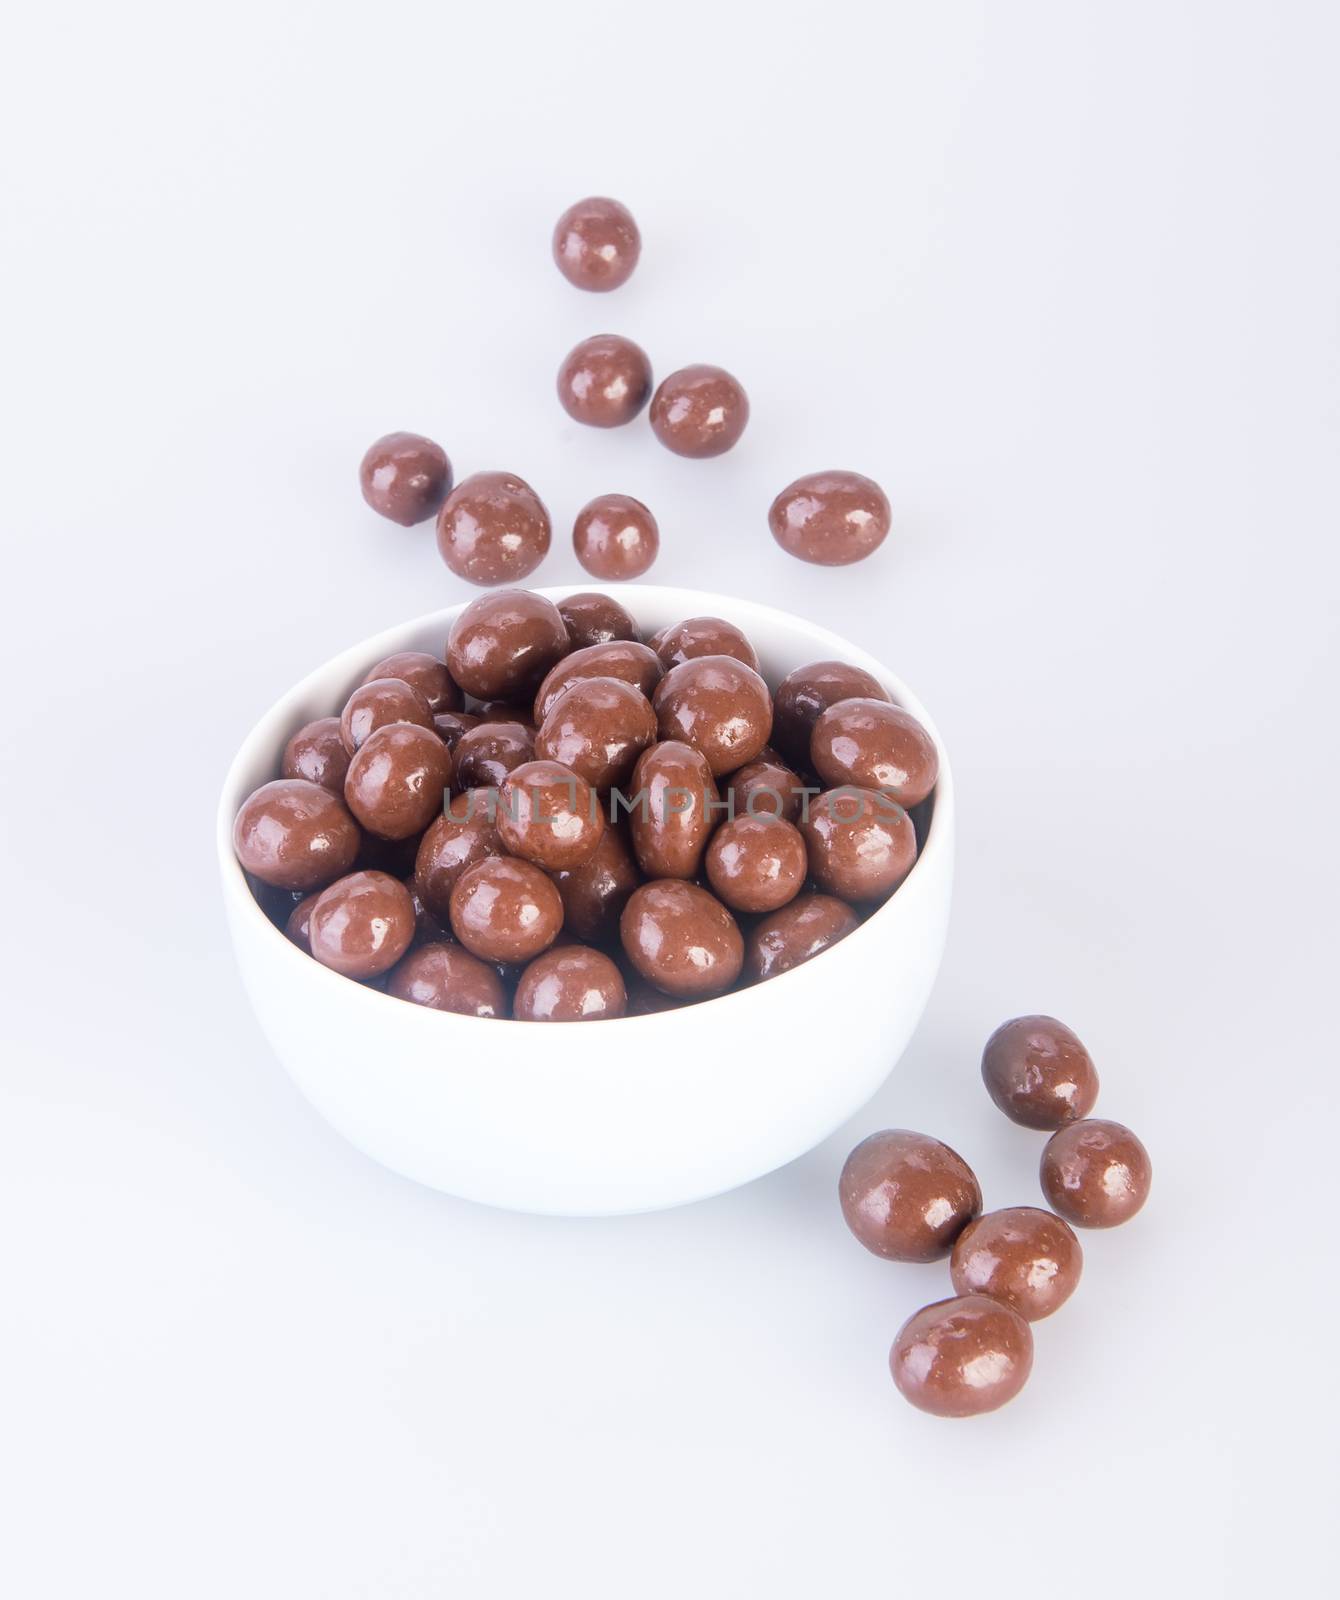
353,661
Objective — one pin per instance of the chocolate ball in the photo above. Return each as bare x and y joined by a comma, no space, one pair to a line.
830,518
293,834
861,844
699,411
595,893
962,1357
465,833
362,924
592,618
615,537
399,780
767,787
485,754
756,863
1096,1174
316,752
605,381
405,477
805,693
906,1196
702,636
1022,1255
378,703
875,745
422,672
445,977
570,983
502,645
596,244
505,910
493,528
719,706
620,658
598,727
548,815
681,939
450,725
796,934
1038,1073
674,800
298,927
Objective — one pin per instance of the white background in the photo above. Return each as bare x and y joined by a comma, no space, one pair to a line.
1063,277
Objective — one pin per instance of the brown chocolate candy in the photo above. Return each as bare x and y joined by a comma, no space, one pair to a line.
681,939
767,787
316,752
1022,1255
598,727
445,977
362,924
756,863
596,244
615,537
673,799
422,672
548,815
702,636
464,834
830,518
399,780
405,477
804,694
486,753
875,745
1038,1073
861,844
493,528
906,1196
570,983
592,618
505,910
962,1357
376,704
502,645
605,381
620,658
450,725
1096,1174
595,893
797,933
719,706
293,834
699,411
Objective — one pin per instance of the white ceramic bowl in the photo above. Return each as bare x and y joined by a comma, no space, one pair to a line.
593,1119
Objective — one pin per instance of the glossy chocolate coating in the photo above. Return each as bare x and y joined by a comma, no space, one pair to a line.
548,815
702,636
805,928
756,863
595,893
446,977
620,658
298,926
674,809
592,618
906,1196
398,781
719,706
596,244
699,411
293,834
502,645
485,754
615,537
570,983
316,752
493,528
362,924
804,694
405,477
861,844
830,518
450,725
1038,1073
422,672
1095,1174
681,939
962,1357
767,787
605,381
875,745
1022,1255
505,910
376,704
598,727
464,834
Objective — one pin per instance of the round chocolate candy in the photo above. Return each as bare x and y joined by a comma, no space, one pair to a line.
1038,1073
615,537
681,939
797,933
906,1196
493,528
621,658
830,518
592,618
673,808
376,704
422,672
405,477
756,863
362,924
450,725
596,244
767,787
316,752
505,910
293,834
719,706
445,977
861,844
399,780
502,645
1022,1255
486,753
570,983
875,745
699,411
598,727
962,1357
702,636
465,833
807,692
298,927
548,815
605,381
1096,1174
595,893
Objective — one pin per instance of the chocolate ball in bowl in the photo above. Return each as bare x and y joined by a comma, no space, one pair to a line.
493,528
681,939
1022,1255
962,1357
376,704
674,800
502,645
702,636
570,983
316,752
423,672
548,815
830,518
446,977
596,244
595,619
861,844
906,1196
1039,1073
634,663
808,691
756,864
399,780
465,833
486,753
699,411
767,787
809,925
598,728
604,381
1095,1173
718,705
875,745
362,924
615,537
405,477
293,834
595,893
505,910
